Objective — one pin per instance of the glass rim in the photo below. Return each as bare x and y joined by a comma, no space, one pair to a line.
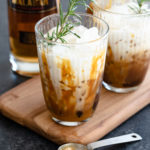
121,14
103,36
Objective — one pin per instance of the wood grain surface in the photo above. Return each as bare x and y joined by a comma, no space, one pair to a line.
25,105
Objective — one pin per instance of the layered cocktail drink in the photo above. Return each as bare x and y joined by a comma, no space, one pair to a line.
72,72
129,43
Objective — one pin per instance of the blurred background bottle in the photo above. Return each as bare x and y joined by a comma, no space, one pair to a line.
22,15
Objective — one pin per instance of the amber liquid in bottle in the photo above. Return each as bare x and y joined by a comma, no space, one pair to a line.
23,15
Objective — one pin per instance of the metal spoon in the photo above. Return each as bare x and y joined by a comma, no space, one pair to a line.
112,141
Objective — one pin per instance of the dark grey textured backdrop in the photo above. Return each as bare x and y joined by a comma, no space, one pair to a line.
16,137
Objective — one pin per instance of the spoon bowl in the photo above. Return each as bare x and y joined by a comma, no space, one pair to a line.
73,146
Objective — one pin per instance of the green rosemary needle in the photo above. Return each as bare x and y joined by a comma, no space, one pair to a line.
140,2
138,9
65,27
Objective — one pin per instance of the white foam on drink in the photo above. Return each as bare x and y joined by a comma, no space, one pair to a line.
129,8
85,34
129,32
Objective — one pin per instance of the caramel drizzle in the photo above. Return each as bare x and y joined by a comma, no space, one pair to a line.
95,78
49,95
67,80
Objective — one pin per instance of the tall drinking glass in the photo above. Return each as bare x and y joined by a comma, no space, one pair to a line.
71,73
128,53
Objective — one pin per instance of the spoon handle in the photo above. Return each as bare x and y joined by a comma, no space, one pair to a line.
116,140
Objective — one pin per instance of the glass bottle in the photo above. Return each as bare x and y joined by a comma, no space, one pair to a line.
22,15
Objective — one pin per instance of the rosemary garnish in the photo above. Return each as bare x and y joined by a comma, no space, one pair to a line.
140,2
65,27
138,9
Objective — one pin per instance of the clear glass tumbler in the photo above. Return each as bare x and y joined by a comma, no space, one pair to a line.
72,73
128,44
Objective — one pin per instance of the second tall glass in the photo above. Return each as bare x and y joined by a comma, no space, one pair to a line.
129,44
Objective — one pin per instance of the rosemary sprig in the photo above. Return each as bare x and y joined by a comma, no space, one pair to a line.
140,2
65,27
138,9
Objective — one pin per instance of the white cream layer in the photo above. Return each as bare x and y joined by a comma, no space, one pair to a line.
128,34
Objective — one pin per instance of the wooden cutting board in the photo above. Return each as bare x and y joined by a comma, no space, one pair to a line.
25,105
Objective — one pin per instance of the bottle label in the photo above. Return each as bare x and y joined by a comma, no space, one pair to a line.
32,5
27,37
